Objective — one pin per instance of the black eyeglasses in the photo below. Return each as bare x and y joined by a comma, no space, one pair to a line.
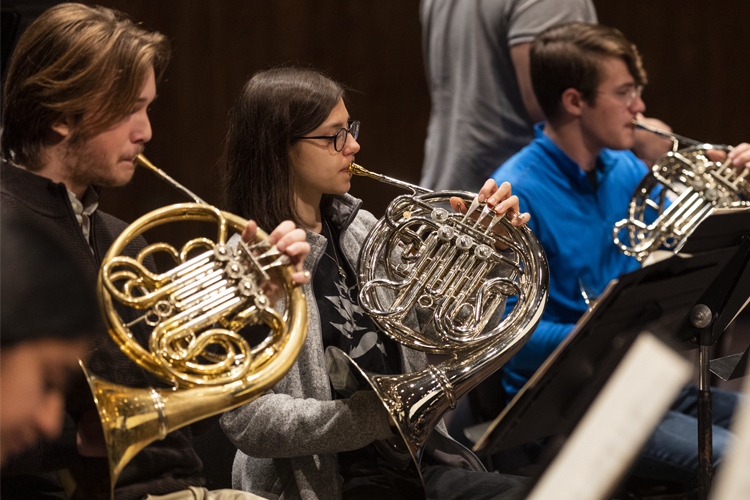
339,138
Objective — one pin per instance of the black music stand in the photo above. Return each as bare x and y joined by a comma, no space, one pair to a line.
726,296
657,298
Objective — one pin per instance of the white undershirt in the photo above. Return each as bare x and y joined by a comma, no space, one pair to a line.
84,209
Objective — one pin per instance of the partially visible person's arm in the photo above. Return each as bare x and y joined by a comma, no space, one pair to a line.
526,19
520,56
281,426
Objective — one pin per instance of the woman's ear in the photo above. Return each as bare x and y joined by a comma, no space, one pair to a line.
572,102
293,154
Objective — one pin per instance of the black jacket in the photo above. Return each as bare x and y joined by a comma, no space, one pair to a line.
162,467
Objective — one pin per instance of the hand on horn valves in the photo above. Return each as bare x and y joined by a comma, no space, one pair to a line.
500,198
289,240
740,156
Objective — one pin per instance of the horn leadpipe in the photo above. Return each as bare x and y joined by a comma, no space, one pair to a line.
355,169
675,138
141,160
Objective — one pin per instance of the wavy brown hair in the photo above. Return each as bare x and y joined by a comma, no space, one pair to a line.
274,108
569,55
74,60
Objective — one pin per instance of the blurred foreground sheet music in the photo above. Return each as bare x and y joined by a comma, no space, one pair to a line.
733,480
606,441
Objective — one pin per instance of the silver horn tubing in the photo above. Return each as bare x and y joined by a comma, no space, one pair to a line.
417,401
701,186
445,384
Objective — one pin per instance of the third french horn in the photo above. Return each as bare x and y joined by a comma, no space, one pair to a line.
683,188
438,281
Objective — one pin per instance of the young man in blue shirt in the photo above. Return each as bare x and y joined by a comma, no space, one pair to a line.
580,174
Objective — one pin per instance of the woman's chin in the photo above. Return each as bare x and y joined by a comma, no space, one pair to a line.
342,189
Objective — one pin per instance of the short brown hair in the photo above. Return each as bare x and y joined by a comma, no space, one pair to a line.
75,59
569,56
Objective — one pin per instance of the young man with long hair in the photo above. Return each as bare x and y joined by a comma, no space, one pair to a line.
75,116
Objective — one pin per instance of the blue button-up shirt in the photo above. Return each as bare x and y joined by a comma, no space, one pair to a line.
573,220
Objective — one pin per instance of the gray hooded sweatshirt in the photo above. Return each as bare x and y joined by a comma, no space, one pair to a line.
288,438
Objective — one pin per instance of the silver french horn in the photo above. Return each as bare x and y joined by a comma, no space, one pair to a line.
451,273
683,188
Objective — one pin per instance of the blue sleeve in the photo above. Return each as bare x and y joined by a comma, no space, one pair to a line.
540,345
519,369
544,340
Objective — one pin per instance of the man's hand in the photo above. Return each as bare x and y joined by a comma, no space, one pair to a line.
290,241
648,146
740,156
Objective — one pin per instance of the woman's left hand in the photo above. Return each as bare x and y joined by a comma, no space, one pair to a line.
740,155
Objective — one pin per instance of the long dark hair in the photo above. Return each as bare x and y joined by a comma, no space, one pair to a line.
275,106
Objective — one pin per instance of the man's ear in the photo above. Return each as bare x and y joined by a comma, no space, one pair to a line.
572,102
63,127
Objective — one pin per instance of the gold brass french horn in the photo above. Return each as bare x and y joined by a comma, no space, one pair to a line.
454,272
195,311
681,190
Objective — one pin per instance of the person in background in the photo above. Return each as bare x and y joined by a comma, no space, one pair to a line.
580,172
476,57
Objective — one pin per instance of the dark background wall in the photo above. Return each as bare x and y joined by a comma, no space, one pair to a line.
697,61
695,51
372,47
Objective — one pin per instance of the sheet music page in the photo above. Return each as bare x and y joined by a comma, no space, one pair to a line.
614,429
733,479
739,311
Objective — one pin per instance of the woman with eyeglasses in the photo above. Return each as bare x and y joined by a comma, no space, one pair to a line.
287,152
